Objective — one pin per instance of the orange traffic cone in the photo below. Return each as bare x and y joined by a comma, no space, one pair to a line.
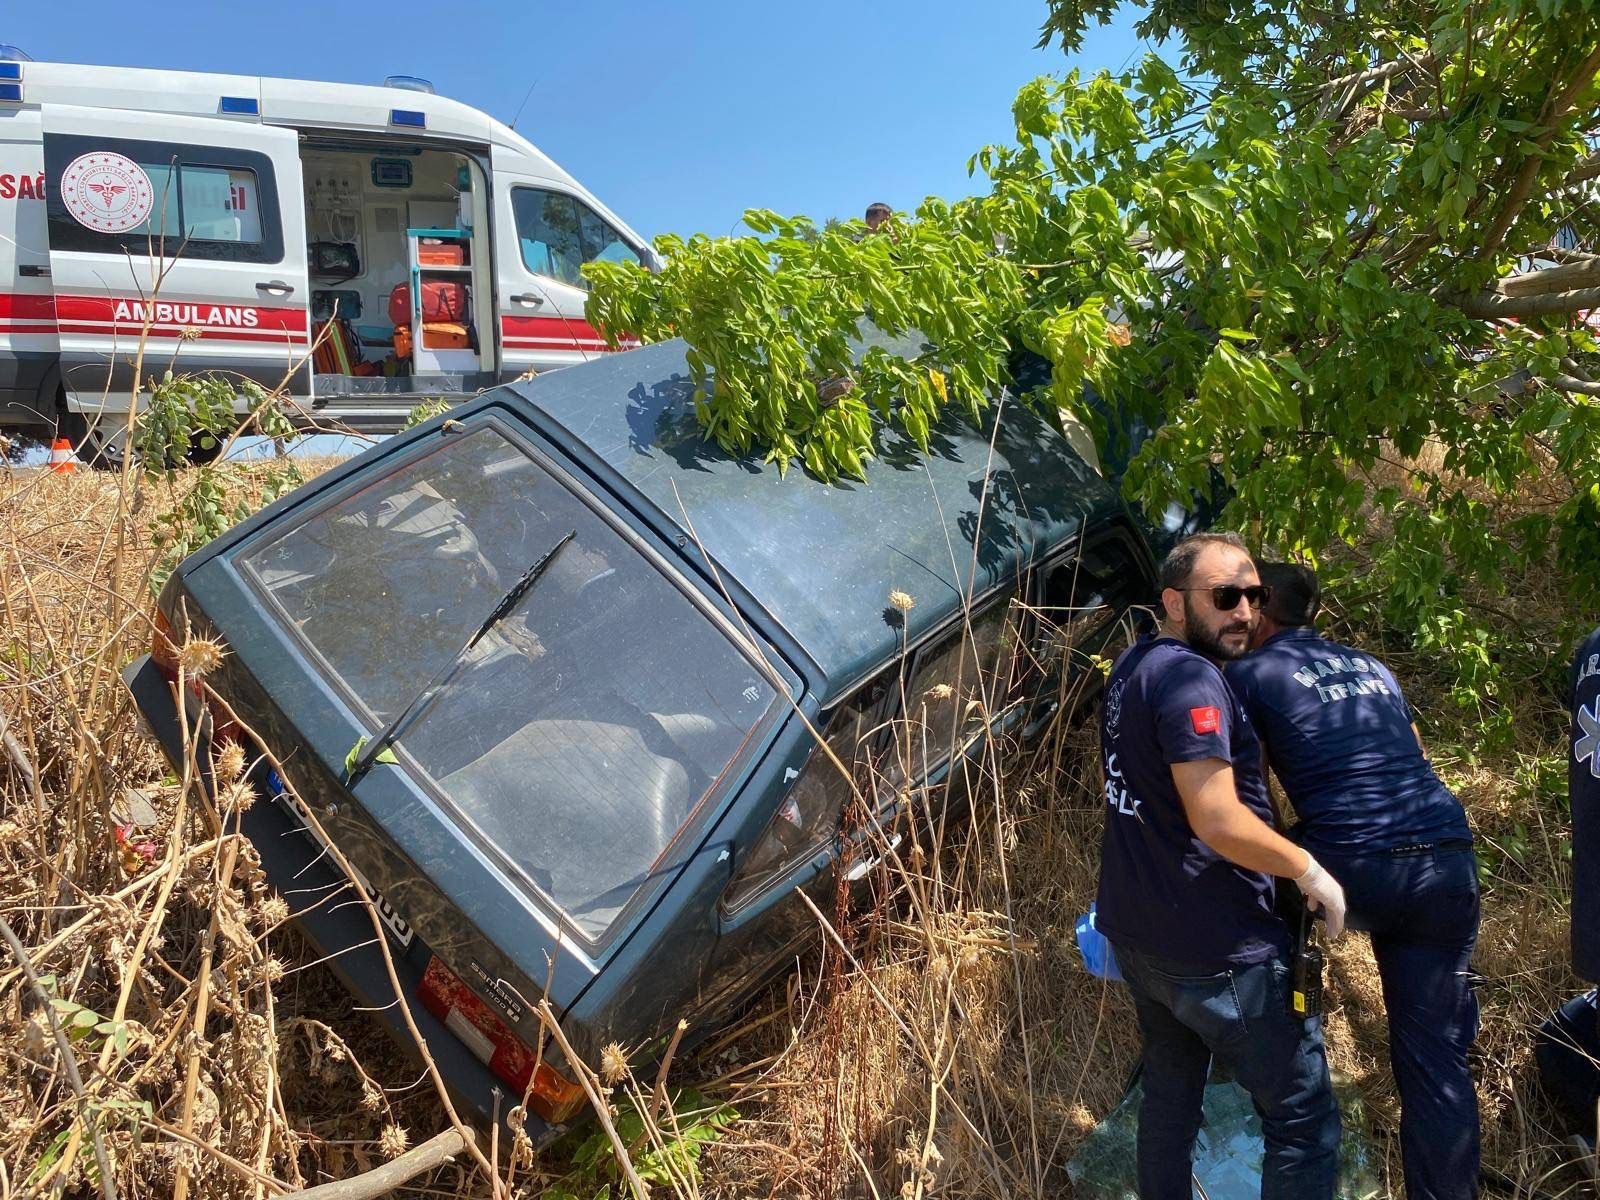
62,461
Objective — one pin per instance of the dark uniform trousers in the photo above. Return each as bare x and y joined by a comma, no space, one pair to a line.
1420,906
1241,1018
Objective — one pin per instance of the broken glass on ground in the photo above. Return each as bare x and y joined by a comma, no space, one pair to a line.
1228,1153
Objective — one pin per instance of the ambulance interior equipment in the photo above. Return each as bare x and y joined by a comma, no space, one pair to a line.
397,257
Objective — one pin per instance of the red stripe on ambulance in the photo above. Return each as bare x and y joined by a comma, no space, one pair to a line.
553,333
126,317
27,306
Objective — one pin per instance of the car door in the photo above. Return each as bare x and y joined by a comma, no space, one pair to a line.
190,227
27,308
544,234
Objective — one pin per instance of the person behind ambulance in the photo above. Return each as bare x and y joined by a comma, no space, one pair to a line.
1187,863
1344,744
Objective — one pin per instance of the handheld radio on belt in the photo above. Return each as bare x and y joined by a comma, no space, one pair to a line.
1305,985
1307,965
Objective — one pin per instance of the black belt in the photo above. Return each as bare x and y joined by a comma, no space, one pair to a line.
1428,847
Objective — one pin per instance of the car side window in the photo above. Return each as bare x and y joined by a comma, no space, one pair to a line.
1081,601
956,686
808,815
559,233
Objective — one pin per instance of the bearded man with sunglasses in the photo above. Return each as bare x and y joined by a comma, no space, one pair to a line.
1187,868
1344,744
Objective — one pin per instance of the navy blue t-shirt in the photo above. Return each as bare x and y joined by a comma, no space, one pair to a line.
1583,789
1162,890
1338,732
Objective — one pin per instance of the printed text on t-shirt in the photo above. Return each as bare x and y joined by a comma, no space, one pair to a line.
1312,674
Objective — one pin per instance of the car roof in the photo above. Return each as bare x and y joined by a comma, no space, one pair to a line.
821,558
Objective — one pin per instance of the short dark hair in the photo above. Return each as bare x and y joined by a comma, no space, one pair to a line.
878,206
1296,596
1178,566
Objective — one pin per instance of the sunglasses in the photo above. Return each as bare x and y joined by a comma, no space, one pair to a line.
1227,597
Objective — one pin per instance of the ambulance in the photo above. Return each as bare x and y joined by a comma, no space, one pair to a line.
365,248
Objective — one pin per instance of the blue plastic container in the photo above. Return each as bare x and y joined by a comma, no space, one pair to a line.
1098,957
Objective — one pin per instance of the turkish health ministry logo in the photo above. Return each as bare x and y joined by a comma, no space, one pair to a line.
1587,744
106,191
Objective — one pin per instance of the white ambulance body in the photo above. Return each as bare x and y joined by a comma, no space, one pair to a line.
282,202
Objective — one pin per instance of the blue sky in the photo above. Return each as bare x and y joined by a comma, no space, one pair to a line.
679,116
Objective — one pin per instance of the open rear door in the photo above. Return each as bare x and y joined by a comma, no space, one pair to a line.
190,228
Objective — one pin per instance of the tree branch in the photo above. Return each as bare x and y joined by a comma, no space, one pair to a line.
1555,108
1571,383
1587,169
434,1152
1492,305
1551,279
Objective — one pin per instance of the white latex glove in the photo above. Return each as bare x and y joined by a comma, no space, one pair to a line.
1323,894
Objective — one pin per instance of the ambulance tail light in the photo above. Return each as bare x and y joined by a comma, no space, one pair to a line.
553,1096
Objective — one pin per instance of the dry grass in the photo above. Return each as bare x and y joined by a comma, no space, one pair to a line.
946,1041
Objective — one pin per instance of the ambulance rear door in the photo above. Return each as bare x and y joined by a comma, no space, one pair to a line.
545,230
191,226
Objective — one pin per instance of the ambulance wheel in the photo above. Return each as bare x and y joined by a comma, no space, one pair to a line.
204,456
99,448
103,445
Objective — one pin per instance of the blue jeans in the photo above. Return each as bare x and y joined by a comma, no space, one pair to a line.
1421,910
1241,1017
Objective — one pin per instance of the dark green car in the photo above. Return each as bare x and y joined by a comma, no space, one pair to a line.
543,671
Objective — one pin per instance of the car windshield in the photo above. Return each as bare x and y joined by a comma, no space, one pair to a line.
582,731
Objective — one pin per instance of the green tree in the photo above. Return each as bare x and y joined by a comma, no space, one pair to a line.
1337,255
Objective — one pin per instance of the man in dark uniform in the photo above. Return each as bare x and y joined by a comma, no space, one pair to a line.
1568,1045
1343,742
1186,888
1583,790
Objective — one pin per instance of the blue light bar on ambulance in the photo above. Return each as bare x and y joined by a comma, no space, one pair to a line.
10,69
408,117
239,106
11,93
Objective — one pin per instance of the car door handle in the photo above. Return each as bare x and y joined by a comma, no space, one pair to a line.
528,298
858,870
276,286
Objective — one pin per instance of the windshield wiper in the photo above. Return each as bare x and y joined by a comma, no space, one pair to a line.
368,753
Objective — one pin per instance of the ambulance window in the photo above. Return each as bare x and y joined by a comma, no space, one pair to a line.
210,202
547,227
164,212
601,243
558,234
219,204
